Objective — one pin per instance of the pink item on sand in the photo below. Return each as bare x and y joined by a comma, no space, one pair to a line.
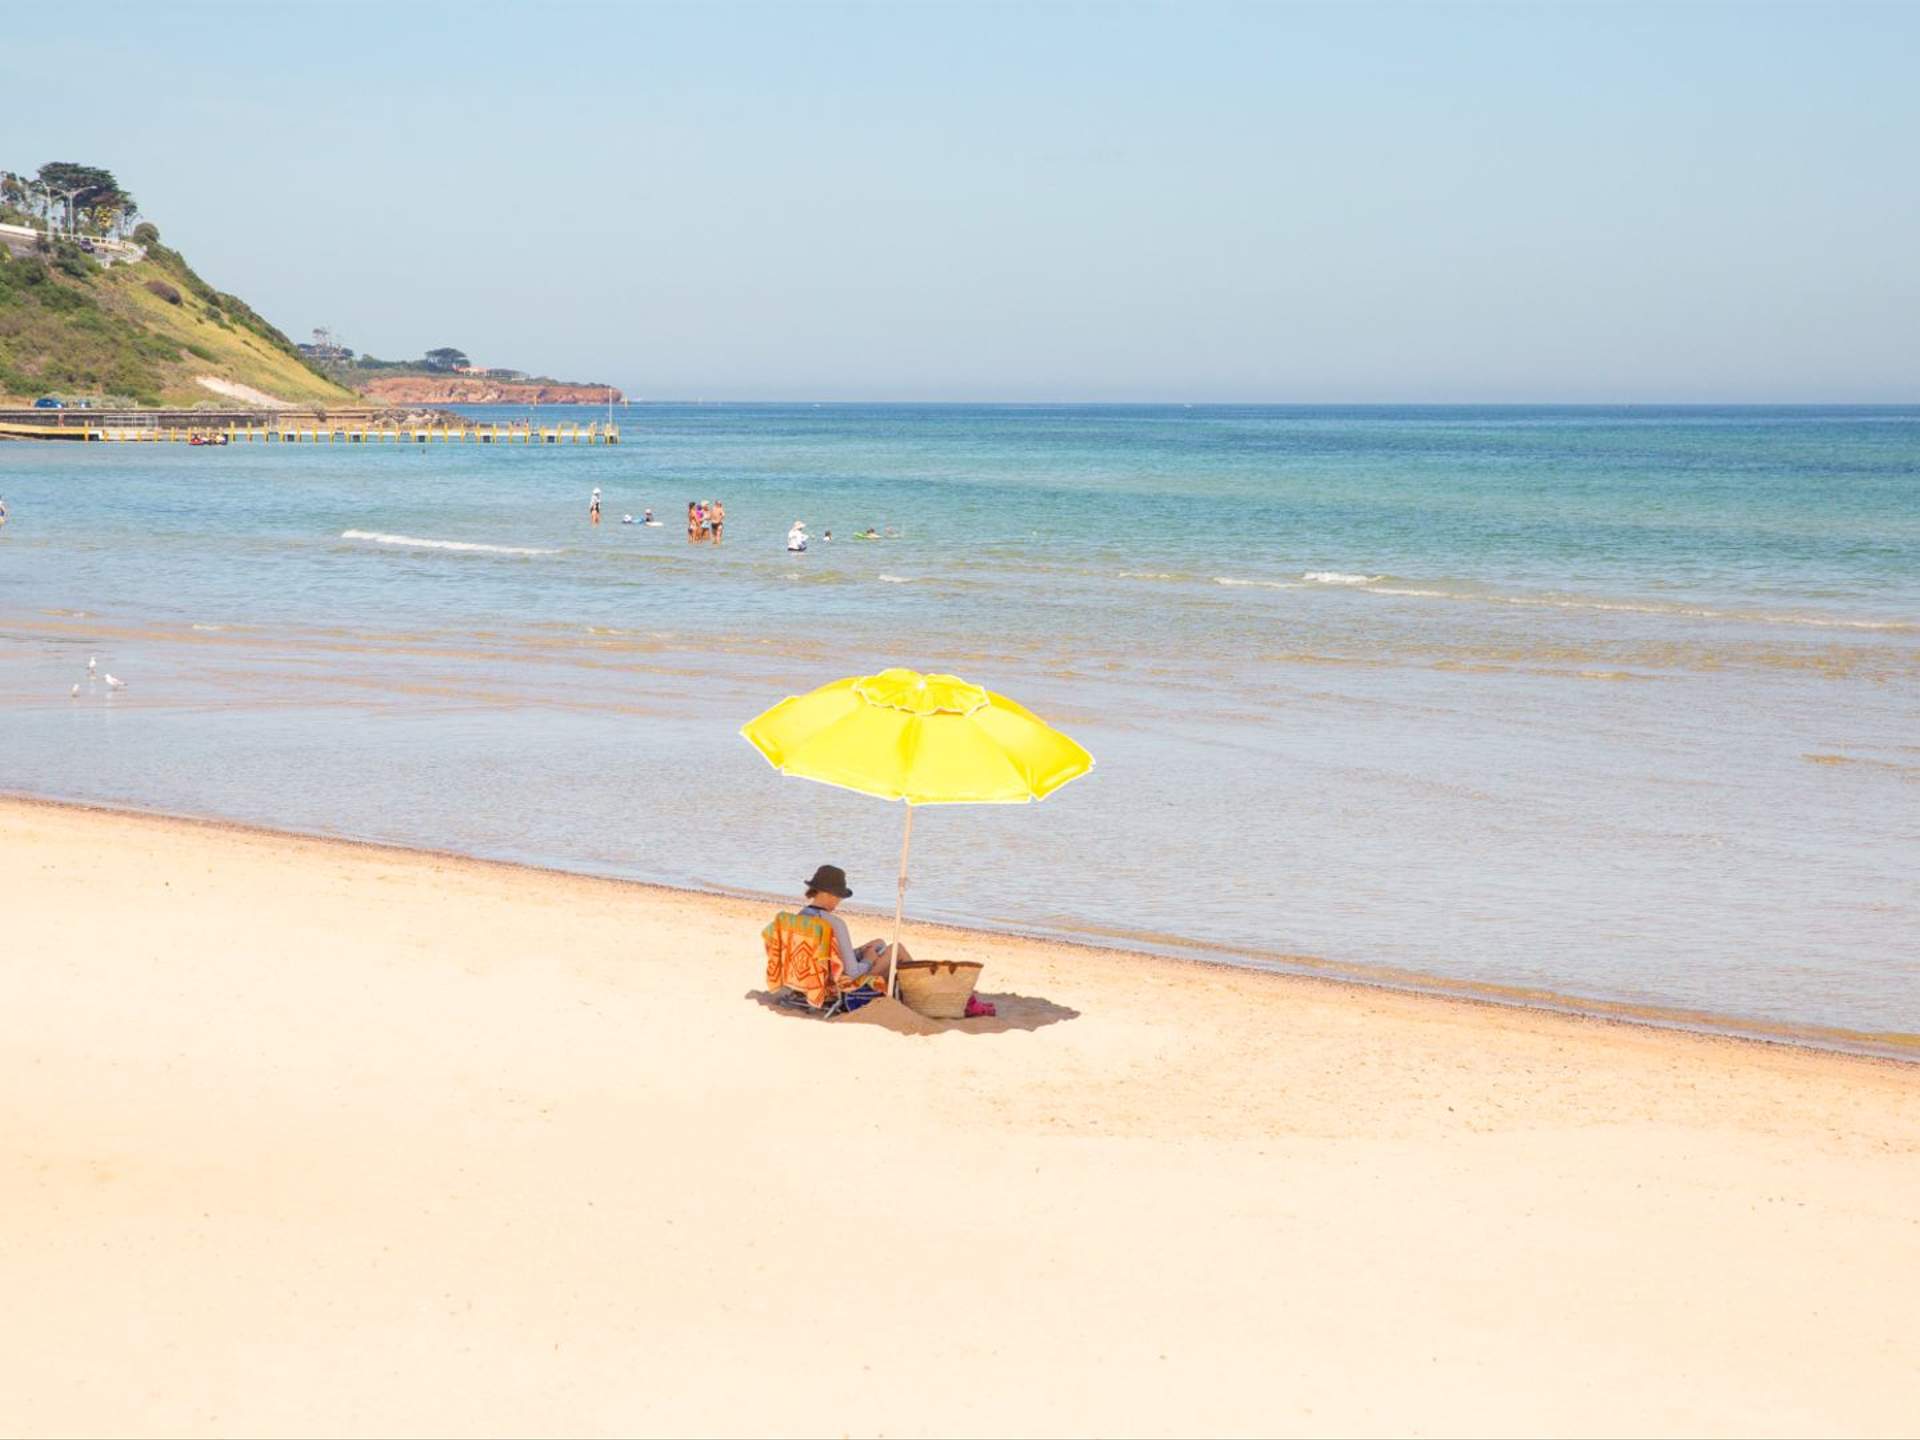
976,1007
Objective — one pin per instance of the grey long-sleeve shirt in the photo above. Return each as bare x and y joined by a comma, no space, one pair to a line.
853,964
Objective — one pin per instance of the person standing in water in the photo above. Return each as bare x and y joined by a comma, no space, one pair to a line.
716,517
593,506
693,522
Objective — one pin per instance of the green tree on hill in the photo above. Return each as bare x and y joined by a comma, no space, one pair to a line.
20,202
446,358
96,201
146,331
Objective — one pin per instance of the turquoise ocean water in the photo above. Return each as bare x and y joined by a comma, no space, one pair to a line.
1612,705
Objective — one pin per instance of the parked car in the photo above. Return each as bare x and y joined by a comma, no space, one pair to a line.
47,402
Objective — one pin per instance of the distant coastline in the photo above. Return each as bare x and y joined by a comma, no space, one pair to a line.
479,390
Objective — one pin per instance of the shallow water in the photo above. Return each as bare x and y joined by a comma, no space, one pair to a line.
1619,705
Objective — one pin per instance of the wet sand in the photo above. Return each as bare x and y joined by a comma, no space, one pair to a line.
308,1137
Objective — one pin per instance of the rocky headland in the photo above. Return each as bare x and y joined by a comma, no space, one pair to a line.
479,390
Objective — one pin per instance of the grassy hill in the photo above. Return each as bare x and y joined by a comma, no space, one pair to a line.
146,332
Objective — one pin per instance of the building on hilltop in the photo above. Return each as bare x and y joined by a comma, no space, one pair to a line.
324,350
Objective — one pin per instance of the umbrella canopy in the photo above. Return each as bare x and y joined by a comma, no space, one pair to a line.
924,739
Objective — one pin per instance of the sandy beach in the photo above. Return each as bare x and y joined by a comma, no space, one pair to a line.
305,1137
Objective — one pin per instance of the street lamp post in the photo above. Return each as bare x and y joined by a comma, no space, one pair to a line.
70,195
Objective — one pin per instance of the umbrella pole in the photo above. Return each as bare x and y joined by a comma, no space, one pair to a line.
899,906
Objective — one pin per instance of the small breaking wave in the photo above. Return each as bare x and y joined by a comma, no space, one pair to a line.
1684,612
1310,577
414,542
896,579
1476,594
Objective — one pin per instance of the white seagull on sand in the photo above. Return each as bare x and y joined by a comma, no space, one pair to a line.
113,684
75,692
92,661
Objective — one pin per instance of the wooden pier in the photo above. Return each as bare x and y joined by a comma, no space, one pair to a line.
305,430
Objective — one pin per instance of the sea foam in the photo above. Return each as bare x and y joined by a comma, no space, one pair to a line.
414,542
1402,590
1310,577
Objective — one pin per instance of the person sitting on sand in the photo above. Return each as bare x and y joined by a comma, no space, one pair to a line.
825,891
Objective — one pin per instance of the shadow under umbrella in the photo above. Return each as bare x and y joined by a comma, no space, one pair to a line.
1016,1012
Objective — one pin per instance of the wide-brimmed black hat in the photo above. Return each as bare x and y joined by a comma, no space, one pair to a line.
830,880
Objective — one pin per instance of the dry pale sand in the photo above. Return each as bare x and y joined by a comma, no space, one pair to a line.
234,390
302,1137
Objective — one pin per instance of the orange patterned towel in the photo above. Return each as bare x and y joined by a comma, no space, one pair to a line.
801,955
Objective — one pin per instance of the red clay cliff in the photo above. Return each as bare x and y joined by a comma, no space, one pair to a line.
478,390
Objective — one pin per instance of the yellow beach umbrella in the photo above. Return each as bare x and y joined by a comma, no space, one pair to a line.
924,739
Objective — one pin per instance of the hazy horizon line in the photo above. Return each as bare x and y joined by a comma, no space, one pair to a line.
1261,404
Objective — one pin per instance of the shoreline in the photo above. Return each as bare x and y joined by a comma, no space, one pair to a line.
310,1136
1895,1047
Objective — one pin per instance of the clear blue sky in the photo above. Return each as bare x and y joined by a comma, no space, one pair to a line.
1192,202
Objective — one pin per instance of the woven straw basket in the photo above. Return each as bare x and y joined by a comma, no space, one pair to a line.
938,988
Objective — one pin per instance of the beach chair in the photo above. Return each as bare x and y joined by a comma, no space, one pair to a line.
805,969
